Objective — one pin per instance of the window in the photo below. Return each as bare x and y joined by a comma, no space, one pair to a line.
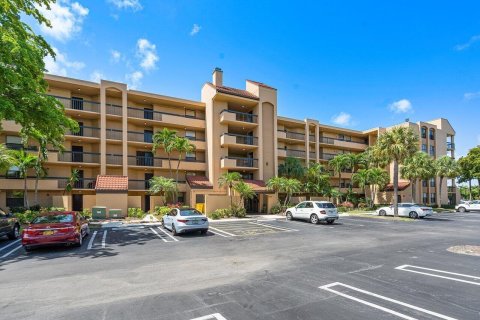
190,135
432,198
424,133
14,142
424,183
13,173
181,197
341,137
432,150
190,173
308,205
425,197
432,134
54,218
190,156
432,182
199,198
77,103
148,114
424,147
14,199
301,205
173,213
190,113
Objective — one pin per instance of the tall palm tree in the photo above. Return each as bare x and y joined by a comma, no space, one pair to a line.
276,184
162,186
24,161
317,178
466,173
377,178
445,167
72,181
291,168
182,146
40,170
245,191
165,139
338,164
229,180
396,145
418,166
362,179
290,187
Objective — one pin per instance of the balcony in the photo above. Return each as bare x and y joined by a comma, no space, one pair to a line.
146,114
114,110
239,163
19,146
79,104
136,136
236,117
79,157
311,138
284,134
312,155
450,146
143,185
115,159
327,156
114,134
144,161
82,183
344,143
230,139
86,131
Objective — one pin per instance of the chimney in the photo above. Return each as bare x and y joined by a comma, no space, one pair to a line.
217,77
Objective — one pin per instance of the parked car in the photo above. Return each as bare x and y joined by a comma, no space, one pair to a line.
468,206
181,220
411,210
9,226
54,228
313,211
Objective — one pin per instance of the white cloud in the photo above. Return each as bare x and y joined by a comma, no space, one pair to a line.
134,79
195,29
471,95
66,19
342,119
466,45
127,4
401,106
147,52
116,55
96,76
61,65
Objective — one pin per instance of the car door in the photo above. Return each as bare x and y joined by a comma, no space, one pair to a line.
298,212
167,219
308,210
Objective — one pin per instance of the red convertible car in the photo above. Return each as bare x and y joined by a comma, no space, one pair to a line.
53,228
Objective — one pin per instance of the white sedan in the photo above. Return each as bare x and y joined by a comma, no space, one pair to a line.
411,210
180,220
468,206
313,211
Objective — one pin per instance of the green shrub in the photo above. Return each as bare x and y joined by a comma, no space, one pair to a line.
87,213
136,213
238,211
342,209
160,211
26,217
276,209
215,215
18,209
362,205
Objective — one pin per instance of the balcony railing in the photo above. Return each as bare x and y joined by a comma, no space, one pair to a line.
312,155
295,153
140,136
86,131
114,110
19,146
144,161
79,104
76,156
114,134
295,135
450,146
311,137
242,116
147,114
327,156
328,140
134,184
194,138
82,183
244,139
244,162
115,159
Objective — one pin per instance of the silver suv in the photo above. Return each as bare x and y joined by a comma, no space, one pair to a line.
313,211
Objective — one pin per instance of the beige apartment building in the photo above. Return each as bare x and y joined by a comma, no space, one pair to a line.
232,130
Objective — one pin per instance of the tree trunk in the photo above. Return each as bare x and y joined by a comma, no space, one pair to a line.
25,195
470,189
395,188
413,183
439,200
36,189
339,187
176,181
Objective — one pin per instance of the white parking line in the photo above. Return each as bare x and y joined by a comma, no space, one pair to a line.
273,227
217,316
90,243
11,251
104,238
218,233
153,230
174,239
376,306
408,268
9,245
225,232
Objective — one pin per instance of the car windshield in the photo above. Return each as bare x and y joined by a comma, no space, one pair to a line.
325,205
53,218
189,212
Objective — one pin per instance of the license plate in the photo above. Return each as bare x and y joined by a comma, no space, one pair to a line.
195,222
48,233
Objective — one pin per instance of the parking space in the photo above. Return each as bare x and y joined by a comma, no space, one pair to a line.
9,247
247,228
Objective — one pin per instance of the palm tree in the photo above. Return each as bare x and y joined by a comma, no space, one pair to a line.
333,193
290,187
338,164
361,178
6,158
229,180
166,139
162,186
245,191
24,161
182,146
396,145
276,184
40,170
466,173
291,168
445,167
317,178
72,181
377,178
419,166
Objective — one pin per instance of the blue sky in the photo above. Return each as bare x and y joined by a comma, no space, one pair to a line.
348,63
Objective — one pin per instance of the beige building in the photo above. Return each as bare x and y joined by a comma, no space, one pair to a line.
232,130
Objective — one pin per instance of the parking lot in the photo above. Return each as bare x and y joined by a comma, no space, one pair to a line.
357,268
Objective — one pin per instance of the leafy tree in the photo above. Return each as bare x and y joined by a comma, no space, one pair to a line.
72,181
445,167
338,164
40,170
419,166
291,186
6,158
378,179
23,89
182,146
466,173
333,193
291,168
397,145
244,190
275,184
317,179
24,162
162,186
165,139
361,178
229,180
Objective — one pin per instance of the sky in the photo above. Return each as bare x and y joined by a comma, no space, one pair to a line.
355,64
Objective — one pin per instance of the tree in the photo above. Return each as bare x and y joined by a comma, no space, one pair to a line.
291,168
162,186
338,164
377,178
182,146
6,158
40,170
165,139
317,179
444,167
229,180
396,145
333,193
245,191
276,184
23,89
290,186
466,173
361,178
24,162
72,181
419,166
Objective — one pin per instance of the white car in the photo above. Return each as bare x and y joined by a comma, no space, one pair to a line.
181,220
313,211
468,206
411,210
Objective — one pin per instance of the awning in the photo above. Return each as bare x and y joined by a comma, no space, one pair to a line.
114,184
199,182
258,186
402,185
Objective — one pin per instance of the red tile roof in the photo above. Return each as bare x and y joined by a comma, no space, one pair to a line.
258,186
402,185
199,182
235,92
261,84
111,183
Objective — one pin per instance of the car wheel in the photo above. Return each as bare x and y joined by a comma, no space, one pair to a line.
174,231
382,213
15,233
413,215
162,223
289,215
203,231
314,219
87,232
330,221
462,210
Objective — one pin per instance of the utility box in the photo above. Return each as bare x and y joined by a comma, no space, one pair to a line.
99,212
116,213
